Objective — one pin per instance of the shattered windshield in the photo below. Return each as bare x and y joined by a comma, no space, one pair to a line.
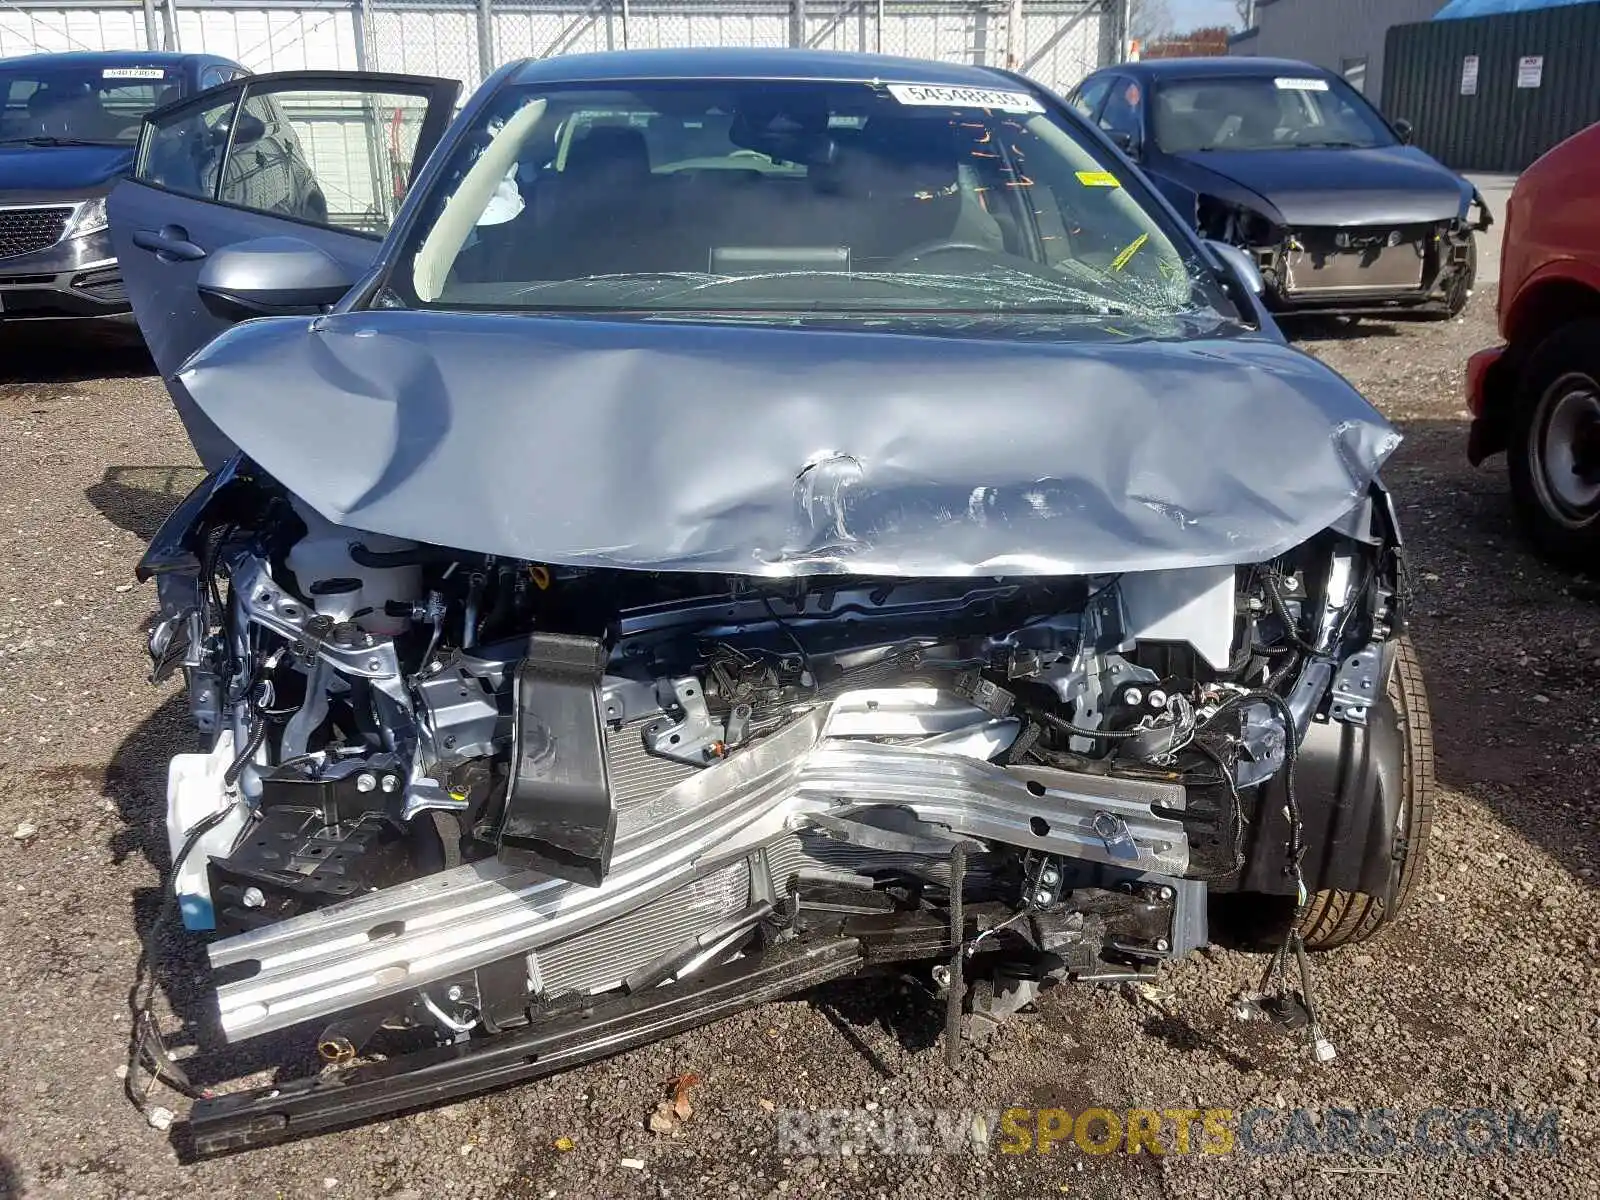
787,197
1264,112
47,105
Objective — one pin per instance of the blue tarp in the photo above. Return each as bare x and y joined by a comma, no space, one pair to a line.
1458,9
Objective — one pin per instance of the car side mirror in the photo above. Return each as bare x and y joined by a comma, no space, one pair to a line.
246,129
1126,142
1404,130
1240,266
274,276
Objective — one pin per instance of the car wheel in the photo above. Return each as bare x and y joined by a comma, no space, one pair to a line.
1554,454
1339,918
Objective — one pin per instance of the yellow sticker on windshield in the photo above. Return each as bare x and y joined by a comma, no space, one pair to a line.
1098,179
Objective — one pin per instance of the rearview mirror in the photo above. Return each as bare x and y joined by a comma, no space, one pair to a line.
1403,130
1125,142
272,276
1240,265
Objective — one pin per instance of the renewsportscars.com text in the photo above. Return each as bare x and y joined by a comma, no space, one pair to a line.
1348,1132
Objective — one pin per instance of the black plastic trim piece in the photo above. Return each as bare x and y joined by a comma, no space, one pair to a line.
270,1115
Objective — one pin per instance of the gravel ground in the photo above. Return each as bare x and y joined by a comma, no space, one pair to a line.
1485,995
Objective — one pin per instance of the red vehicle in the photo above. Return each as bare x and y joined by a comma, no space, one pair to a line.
1538,396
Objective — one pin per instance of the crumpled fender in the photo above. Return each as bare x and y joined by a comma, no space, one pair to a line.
671,445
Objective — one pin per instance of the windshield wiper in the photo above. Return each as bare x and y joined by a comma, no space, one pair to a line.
43,140
1330,145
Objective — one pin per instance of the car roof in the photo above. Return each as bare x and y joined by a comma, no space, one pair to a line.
754,63
1195,68
110,58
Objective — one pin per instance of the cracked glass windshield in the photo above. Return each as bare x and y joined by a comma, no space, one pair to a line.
780,197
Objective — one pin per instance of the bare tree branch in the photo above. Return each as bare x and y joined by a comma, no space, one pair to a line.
1149,19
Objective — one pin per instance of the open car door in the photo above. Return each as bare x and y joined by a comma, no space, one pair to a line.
322,156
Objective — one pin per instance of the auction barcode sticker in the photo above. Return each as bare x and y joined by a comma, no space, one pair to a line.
964,97
133,73
1301,85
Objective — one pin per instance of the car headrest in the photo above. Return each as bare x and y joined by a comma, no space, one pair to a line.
1214,101
610,151
909,159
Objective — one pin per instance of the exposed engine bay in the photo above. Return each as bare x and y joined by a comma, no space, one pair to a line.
478,799
1354,269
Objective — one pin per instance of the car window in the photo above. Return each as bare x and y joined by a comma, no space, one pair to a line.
336,158
81,104
182,152
216,76
764,196
340,157
1124,110
1087,98
1263,112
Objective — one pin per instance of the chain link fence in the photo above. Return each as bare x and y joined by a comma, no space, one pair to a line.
1057,42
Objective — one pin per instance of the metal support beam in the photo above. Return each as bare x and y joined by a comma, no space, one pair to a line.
485,40
1013,35
838,19
625,15
797,23
152,31
1056,38
358,30
170,14
578,26
882,15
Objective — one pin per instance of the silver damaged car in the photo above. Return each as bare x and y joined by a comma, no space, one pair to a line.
696,525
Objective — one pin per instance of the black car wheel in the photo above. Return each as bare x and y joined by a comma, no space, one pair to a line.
1554,453
1339,918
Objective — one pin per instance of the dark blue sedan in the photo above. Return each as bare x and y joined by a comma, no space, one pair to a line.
68,126
1291,164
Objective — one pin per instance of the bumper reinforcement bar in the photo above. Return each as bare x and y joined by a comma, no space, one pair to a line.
264,1116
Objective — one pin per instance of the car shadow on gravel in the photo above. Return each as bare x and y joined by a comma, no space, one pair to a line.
896,1008
10,1181
1336,329
138,499
1510,648
70,352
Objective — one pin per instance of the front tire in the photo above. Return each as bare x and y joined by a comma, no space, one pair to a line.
1340,918
1554,452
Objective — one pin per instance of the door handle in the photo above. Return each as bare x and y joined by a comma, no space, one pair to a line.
170,244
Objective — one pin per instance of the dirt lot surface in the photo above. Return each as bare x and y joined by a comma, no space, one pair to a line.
1486,995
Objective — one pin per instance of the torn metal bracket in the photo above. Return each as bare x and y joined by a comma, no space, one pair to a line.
1357,685
694,738
310,636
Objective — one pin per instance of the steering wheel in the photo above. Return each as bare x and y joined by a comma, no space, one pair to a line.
942,246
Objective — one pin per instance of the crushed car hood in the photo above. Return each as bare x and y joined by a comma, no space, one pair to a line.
767,451
1381,186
